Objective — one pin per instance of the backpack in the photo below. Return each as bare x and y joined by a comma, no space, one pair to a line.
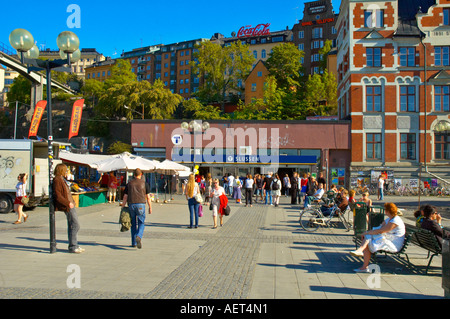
275,185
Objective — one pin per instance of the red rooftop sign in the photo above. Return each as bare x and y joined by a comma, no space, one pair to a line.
259,30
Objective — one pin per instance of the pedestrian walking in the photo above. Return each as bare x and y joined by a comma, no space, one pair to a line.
136,194
216,192
267,186
112,187
276,190
248,185
21,193
208,187
64,202
286,185
193,190
380,187
259,182
294,188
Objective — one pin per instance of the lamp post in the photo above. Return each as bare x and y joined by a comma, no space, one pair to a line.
196,128
68,43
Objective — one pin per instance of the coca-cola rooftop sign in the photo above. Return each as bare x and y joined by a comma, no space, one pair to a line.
259,30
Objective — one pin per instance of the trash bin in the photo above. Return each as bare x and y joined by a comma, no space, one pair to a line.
446,267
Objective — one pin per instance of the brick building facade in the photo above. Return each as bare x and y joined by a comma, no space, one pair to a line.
393,83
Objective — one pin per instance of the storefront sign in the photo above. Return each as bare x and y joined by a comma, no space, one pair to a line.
317,9
248,159
259,30
321,21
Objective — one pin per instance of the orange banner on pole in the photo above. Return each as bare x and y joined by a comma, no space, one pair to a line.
76,118
37,116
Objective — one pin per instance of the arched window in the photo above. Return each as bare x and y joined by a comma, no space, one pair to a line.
263,54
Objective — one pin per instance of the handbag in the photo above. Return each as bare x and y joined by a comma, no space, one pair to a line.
211,206
200,211
199,198
227,210
24,200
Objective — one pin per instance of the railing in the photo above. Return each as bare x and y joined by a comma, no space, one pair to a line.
6,49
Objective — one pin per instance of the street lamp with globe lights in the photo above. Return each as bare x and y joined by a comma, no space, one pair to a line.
68,43
195,128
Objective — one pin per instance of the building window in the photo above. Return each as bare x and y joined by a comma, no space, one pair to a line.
373,56
301,34
446,17
317,33
408,98
441,56
255,54
373,143
301,47
442,146
253,87
263,54
374,18
408,146
407,57
441,98
259,74
373,98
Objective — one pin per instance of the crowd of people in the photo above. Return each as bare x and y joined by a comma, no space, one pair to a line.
208,192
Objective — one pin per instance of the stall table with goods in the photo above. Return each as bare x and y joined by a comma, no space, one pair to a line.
86,193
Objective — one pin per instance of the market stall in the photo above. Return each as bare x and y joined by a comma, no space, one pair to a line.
85,192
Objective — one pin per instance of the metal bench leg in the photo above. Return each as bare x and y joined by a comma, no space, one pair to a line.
429,263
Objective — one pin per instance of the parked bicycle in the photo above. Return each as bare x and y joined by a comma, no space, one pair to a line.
312,218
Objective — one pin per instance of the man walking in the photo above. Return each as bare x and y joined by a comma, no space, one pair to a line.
136,193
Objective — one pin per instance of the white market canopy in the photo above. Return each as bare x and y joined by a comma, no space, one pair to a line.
168,167
126,162
84,159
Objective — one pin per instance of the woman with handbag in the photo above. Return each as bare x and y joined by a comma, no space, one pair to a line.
194,198
21,198
216,192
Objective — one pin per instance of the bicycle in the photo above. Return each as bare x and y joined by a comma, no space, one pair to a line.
312,218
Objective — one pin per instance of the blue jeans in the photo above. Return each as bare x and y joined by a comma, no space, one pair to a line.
268,194
137,213
193,211
73,226
381,193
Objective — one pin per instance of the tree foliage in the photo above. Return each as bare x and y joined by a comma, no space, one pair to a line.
221,69
154,101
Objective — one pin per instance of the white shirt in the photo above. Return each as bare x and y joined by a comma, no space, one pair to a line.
319,193
230,180
249,183
21,189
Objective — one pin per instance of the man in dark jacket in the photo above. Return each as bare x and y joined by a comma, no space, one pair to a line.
64,202
136,194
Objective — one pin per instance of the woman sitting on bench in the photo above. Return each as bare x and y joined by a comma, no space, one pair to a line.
388,237
432,222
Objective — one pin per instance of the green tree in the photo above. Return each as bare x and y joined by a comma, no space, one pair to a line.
321,94
285,65
119,148
221,69
152,100
20,90
120,74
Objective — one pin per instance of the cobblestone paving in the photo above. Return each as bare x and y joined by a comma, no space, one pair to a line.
224,265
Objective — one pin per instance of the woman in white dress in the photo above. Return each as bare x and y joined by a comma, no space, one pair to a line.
388,237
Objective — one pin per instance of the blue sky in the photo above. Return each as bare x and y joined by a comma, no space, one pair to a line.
114,26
